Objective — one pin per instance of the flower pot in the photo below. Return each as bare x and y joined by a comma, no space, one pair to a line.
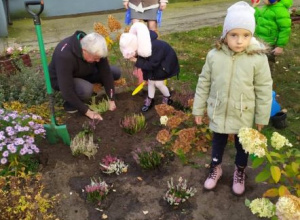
279,120
9,65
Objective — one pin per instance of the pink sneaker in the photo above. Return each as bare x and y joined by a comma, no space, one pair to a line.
214,175
238,186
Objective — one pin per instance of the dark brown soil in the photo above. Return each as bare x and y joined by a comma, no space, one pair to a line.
132,196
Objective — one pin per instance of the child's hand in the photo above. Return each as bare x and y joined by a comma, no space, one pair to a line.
277,51
259,127
255,2
133,59
198,120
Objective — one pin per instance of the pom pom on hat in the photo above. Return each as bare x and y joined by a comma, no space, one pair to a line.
136,41
239,15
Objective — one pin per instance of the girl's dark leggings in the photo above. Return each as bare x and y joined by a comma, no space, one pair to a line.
218,146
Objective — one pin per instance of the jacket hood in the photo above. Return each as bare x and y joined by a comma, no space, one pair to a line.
75,38
255,47
286,3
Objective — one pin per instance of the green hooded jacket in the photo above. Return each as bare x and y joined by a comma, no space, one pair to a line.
273,23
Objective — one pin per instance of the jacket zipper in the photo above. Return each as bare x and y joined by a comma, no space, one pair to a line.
229,90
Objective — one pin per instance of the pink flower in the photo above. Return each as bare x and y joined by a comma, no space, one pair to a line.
9,50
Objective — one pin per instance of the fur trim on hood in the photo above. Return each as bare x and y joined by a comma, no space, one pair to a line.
255,47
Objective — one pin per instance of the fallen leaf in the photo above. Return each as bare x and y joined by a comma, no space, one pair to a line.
145,212
140,178
104,216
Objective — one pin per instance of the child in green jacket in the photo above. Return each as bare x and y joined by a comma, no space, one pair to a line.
273,24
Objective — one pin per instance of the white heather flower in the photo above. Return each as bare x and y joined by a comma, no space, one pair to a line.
288,207
278,141
253,141
164,119
262,207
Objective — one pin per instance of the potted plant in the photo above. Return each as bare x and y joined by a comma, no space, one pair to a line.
11,56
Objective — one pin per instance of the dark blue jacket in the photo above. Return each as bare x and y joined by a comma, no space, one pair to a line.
162,64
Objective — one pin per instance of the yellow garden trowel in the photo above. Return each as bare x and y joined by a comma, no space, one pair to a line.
140,87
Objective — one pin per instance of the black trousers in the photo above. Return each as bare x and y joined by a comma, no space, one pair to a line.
219,143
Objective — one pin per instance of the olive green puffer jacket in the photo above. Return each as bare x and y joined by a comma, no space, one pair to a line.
273,23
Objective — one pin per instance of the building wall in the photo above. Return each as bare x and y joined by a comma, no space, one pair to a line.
68,7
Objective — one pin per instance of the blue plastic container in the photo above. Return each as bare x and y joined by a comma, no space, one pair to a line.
275,105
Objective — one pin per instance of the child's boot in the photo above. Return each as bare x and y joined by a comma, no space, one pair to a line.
167,100
214,175
238,186
148,103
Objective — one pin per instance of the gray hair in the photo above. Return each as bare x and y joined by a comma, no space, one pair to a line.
95,44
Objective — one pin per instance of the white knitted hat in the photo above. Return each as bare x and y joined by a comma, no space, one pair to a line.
136,41
239,15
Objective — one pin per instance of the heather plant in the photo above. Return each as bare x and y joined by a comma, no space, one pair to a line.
97,190
280,161
18,136
112,164
23,197
179,193
83,142
99,107
148,158
133,123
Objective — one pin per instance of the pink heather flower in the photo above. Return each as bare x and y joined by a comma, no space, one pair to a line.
1,111
20,49
11,133
30,151
3,161
9,50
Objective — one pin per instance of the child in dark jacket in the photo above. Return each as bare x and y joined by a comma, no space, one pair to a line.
156,58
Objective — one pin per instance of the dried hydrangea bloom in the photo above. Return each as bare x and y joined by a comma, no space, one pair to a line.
174,122
262,207
185,147
288,207
101,29
182,115
163,136
190,103
113,23
164,109
187,135
126,29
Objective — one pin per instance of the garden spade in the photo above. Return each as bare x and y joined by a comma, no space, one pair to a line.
54,132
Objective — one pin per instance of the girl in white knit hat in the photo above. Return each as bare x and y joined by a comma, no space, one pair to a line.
156,58
235,88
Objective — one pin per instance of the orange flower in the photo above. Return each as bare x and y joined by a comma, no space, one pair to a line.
164,109
101,29
113,24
